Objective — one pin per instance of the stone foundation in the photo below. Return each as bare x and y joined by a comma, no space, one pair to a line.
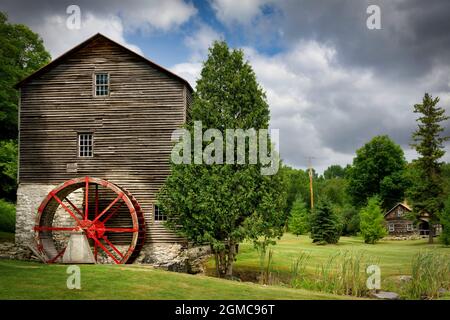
175,257
29,198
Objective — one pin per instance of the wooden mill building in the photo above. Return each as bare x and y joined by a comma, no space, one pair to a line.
105,112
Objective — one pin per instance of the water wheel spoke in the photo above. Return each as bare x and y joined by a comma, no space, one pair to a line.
57,256
106,250
108,207
86,198
65,207
119,230
112,246
111,214
96,200
73,206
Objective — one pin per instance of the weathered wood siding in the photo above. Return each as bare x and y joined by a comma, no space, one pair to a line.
131,127
397,217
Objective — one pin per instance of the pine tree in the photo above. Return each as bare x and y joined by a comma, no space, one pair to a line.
325,224
372,221
427,192
299,218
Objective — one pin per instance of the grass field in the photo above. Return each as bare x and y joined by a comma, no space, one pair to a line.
393,257
27,280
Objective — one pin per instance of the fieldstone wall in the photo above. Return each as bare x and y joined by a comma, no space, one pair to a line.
29,198
175,257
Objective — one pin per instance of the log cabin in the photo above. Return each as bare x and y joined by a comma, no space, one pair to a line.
400,224
95,129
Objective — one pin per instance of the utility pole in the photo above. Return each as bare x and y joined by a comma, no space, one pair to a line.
311,182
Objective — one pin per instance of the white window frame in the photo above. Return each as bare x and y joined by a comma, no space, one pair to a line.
107,85
391,227
158,215
409,227
85,145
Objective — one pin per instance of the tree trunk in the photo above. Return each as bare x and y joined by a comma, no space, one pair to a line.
230,260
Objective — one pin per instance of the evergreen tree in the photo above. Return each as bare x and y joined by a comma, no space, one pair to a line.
325,224
427,190
223,204
299,218
372,221
445,222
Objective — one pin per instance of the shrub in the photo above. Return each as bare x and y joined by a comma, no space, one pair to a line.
372,221
7,216
299,220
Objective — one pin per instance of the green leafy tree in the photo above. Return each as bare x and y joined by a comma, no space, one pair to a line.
350,220
223,204
21,53
325,223
372,221
427,191
299,218
8,168
445,222
378,169
334,171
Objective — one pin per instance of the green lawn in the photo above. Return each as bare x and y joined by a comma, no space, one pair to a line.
393,256
27,280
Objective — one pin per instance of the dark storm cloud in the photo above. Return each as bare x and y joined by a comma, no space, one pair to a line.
415,34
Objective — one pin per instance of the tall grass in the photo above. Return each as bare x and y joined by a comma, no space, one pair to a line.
342,273
430,273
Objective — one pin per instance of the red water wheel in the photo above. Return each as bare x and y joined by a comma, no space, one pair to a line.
108,215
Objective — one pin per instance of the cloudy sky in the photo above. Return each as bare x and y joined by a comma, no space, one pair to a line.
331,82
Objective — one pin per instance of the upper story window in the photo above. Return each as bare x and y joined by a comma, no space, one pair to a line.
85,145
159,214
101,84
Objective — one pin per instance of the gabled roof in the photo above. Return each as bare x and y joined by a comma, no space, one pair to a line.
97,36
404,205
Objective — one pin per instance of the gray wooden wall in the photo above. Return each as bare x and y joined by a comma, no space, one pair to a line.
131,127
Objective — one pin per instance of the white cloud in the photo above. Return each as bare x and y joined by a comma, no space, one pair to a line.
189,71
151,14
201,40
58,38
238,11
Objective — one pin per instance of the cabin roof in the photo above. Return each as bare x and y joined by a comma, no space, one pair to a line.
55,62
404,205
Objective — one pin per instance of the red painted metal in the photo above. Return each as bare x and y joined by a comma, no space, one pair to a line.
94,227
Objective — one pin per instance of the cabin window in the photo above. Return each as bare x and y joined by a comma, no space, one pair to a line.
409,227
101,84
391,227
85,145
159,214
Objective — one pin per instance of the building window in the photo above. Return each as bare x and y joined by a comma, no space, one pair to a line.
85,145
391,227
101,84
159,214
409,227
